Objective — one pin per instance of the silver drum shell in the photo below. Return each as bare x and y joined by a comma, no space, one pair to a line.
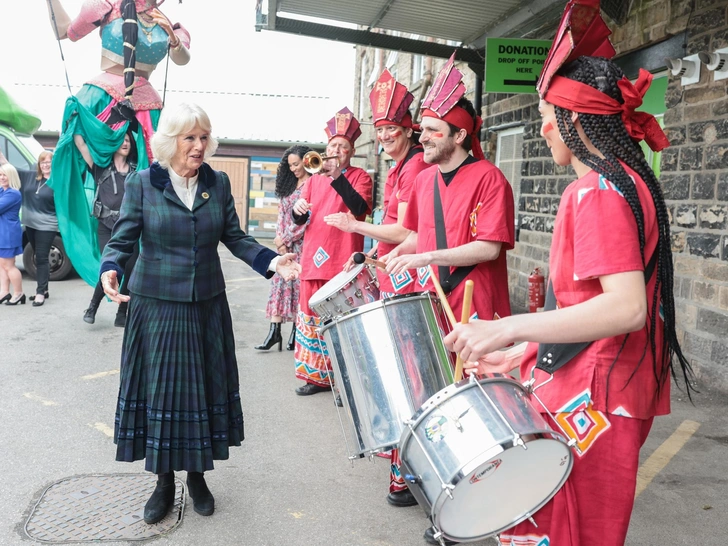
388,359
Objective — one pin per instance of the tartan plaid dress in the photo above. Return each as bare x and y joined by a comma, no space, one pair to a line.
179,402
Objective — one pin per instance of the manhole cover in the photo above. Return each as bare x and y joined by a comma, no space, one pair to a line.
98,508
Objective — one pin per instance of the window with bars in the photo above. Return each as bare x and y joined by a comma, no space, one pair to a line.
509,157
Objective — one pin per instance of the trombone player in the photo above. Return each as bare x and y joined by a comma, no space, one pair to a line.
338,187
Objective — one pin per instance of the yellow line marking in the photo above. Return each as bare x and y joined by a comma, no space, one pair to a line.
100,374
35,397
101,427
663,454
297,515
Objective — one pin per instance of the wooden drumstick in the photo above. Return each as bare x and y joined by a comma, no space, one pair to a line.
443,298
361,258
464,319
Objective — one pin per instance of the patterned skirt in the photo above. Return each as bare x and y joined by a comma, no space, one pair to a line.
179,400
313,364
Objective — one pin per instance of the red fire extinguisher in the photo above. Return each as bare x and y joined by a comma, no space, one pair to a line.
536,290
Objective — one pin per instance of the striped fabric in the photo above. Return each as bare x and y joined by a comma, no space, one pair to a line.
313,364
179,401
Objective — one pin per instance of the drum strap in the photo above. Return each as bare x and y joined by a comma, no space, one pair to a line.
448,280
552,356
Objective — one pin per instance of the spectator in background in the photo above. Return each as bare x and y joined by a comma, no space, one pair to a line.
283,301
11,236
110,182
41,223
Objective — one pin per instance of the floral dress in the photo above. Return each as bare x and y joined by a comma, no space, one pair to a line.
283,300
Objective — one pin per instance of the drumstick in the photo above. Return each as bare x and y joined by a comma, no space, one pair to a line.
443,297
361,258
464,319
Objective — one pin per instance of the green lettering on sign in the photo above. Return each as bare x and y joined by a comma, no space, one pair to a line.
513,65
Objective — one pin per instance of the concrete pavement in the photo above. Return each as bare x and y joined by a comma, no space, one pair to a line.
291,482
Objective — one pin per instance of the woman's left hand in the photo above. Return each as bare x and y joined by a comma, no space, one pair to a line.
165,24
287,267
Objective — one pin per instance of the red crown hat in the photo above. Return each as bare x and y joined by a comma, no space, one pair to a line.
343,124
582,31
390,102
441,102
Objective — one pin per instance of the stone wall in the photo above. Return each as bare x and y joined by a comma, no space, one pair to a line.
694,178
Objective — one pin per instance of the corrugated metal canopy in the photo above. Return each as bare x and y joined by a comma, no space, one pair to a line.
461,21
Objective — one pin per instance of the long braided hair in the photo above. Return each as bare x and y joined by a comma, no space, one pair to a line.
286,181
608,135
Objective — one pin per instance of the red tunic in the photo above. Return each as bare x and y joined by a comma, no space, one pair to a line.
326,248
477,205
595,234
400,181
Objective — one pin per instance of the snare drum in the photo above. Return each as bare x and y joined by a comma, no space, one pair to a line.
479,458
388,359
346,291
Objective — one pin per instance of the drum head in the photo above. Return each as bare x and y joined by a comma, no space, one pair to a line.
333,286
504,489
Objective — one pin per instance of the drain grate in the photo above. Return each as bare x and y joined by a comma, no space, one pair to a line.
100,507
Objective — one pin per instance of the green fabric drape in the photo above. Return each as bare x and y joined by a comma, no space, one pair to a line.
17,117
73,186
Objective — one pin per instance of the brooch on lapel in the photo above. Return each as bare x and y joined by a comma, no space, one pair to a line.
205,195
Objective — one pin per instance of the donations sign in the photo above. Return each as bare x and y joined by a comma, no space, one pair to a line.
513,65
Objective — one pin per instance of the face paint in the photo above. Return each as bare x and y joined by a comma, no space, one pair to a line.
396,134
548,127
437,135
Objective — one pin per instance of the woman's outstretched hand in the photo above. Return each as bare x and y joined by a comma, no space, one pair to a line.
287,267
110,284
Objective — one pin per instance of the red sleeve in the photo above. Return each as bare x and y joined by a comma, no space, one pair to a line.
407,178
605,235
362,183
306,190
495,215
411,217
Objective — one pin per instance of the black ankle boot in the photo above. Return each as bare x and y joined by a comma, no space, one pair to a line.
274,336
89,315
292,340
162,499
202,500
120,320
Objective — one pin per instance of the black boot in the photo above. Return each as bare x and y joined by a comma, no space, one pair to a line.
202,499
120,320
89,315
274,336
162,499
292,340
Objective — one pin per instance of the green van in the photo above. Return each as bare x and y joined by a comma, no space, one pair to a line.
22,150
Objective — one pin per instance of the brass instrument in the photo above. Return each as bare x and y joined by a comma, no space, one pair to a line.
313,161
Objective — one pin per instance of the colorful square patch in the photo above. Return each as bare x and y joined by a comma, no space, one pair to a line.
320,257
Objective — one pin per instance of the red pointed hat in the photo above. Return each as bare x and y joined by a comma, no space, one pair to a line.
582,31
441,102
390,102
343,124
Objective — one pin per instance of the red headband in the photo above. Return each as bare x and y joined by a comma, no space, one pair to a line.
584,99
406,122
460,118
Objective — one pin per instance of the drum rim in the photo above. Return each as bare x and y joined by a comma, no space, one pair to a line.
436,507
394,300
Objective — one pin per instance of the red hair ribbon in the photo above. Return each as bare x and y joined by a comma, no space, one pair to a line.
460,118
584,99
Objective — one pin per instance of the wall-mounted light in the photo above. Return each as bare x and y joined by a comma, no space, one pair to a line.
688,68
717,62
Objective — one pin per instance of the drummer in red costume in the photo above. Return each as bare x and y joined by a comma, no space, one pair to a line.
390,101
476,206
602,353
340,187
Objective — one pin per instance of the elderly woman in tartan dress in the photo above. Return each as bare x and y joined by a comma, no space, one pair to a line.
179,401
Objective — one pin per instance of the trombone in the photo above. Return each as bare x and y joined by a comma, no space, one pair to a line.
313,161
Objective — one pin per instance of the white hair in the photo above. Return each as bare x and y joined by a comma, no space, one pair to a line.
175,121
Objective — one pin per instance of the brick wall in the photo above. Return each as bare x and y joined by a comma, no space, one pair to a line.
694,178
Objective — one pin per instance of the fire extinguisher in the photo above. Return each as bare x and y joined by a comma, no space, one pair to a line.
536,290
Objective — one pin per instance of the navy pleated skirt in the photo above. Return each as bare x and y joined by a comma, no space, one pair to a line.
179,400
